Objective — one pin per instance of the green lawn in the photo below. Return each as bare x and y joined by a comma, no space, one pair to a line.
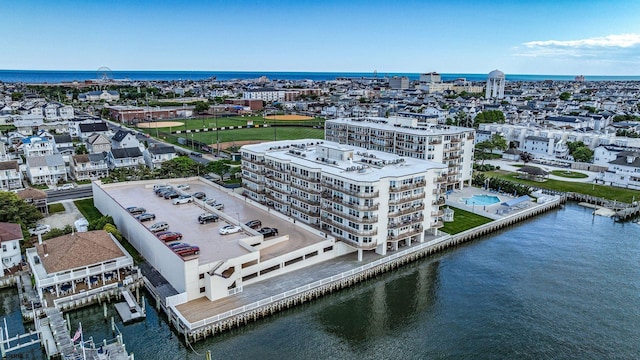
463,220
569,174
87,209
265,134
210,123
56,208
606,192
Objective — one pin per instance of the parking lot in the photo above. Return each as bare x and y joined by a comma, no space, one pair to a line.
183,218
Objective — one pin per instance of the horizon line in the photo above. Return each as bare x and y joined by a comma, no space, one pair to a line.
317,72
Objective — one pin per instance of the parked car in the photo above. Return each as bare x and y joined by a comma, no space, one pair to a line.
195,154
199,195
183,199
167,236
178,245
207,217
192,250
159,226
171,195
136,210
268,231
229,229
157,187
162,191
146,217
40,229
183,187
66,187
254,224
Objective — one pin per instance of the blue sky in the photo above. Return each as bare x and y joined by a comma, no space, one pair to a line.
517,37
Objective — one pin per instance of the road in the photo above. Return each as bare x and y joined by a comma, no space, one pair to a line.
82,191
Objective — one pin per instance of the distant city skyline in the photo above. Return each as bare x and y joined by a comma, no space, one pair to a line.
543,37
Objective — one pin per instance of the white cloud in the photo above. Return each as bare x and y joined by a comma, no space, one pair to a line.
609,41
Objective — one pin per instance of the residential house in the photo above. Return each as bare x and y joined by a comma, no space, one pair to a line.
48,169
10,237
124,139
125,158
10,175
98,143
75,263
37,198
155,155
89,166
63,144
624,171
88,129
36,146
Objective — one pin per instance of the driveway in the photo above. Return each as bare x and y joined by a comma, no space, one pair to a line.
62,219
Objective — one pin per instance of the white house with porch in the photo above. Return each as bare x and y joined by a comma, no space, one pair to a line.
81,263
10,237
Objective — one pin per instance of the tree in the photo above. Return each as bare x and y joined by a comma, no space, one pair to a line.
583,154
526,157
201,107
499,142
15,210
182,166
462,119
219,167
81,149
565,96
101,222
17,96
482,150
489,116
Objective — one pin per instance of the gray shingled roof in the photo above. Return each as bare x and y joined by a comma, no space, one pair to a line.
621,159
158,150
46,160
94,127
65,138
126,153
120,135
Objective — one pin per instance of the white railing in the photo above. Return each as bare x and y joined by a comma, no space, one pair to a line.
347,273
86,272
85,294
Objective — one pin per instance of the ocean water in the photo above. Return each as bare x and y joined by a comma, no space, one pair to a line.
562,285
57,76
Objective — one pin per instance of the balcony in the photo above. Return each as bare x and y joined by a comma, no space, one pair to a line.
406,211
440,179
304,188
308,211
307,178
407,186
352,205
437,224
456,140
361,220
440,201
349,229
359,245
414,220
437,213
359,194
404,235
304,199
407,199
435,142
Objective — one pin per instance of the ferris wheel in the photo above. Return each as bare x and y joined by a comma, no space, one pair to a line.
104,74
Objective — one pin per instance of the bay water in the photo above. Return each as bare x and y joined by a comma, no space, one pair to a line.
563,285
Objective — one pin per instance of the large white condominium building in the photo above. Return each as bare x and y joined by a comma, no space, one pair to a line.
370,200
450,145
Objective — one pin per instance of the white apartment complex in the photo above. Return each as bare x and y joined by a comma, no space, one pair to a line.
449,145
265,94
370,200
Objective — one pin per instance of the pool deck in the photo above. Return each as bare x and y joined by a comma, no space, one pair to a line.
493,211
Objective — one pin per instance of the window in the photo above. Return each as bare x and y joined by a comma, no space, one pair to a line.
202,290
4,247
201,276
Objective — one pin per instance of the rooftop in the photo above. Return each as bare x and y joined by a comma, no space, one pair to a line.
401,124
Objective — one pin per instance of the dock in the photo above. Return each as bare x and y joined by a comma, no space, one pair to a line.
52,332
130,310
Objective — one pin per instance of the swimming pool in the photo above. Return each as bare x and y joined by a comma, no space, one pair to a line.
481,200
